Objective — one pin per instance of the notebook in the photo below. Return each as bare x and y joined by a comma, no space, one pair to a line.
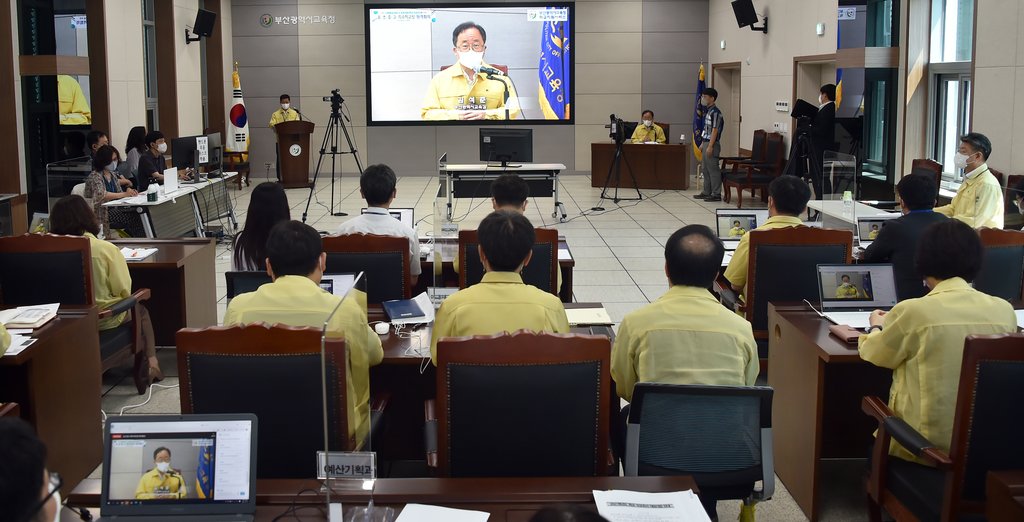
734,224
849,293
869,227
211,474
405,215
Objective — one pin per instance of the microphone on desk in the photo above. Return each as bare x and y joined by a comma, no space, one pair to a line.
492,71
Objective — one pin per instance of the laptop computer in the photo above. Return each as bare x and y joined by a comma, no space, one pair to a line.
869,227
734,224
211,474
338,284
405,215
170,181
849,293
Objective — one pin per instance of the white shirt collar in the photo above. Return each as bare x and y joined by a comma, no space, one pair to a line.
974,173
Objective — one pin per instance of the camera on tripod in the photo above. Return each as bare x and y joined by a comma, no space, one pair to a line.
616,129
804,114
335,97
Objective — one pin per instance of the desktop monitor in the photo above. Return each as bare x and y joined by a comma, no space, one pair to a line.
506,145
216,149
184,153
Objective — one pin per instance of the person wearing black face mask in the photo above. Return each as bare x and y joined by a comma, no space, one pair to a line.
102,184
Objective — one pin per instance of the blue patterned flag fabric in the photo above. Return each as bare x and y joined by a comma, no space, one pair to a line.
204,473
839,74
553,71
698,115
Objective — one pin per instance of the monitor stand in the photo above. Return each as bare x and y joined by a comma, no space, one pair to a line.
503,165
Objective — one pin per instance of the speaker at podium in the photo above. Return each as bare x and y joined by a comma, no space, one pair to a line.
293,152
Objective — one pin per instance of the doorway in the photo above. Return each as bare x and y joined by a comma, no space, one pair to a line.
725,78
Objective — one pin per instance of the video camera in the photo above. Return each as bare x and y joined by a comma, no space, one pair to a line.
617,130
336,101
804,114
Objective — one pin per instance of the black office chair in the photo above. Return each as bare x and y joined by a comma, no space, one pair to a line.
283,376
542,272
986,437
521,405
1002,267
243,281
383,259
46,268
720,435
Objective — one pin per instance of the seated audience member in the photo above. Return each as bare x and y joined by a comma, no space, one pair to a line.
134,148
685,336
296,262
101,185
96,139
922,340
897,240
979,200
268,206
647,131
152,163
787,199
163,481
377,186
28,491
111,281
500,302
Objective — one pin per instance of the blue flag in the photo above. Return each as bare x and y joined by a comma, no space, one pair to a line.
553,71
204,473
698,115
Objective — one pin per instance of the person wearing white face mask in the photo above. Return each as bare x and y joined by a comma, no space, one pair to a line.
102,184
152,162
285,113
465,90
163,481
28,491
979,201
823,135
647,131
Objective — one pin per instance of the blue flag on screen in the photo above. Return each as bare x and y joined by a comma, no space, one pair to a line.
698,115
204,473
553,71
839,73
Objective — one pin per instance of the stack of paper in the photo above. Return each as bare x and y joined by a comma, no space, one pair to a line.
588,316
24,317
137,254
623,506
1020,318
424,513
18,344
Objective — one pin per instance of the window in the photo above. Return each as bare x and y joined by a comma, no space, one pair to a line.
952,30
952,40
952,94
149,63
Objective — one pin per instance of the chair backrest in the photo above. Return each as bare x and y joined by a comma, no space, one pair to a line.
523,405
720,435
775,151
383,259
45,268
668,130
758,144
999,177
1002,267
542,271
243,281
783,266
927,166
987,426
79,189
282,387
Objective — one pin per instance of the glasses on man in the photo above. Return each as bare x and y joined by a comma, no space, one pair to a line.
478,47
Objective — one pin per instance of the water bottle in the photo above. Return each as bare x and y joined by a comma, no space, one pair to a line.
848,205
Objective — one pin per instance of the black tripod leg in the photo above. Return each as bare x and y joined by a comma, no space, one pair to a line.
319,162
632,176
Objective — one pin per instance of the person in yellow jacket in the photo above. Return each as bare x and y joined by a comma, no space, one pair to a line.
922,339
873,235
72,106
163,481
737,229
846,289
647,131
285,113
471,89
979,200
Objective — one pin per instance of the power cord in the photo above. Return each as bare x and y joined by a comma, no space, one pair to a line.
294,509
149,396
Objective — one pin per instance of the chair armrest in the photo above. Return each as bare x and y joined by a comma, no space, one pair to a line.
904,433
726,295
430,432
125,304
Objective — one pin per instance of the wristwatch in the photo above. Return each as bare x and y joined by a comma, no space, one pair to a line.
873,327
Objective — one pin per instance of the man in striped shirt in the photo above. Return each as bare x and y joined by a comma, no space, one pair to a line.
711,149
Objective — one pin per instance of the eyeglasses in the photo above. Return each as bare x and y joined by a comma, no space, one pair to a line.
55,484
478,47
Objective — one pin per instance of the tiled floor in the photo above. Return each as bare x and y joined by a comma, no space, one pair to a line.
619,262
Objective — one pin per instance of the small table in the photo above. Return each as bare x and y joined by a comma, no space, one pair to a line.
473,181
505,499
1005,493
57,384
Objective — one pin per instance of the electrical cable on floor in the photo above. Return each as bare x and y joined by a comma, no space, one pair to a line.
149,396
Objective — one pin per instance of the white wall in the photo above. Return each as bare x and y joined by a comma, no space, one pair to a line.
188,64
999,82
767,60
126,75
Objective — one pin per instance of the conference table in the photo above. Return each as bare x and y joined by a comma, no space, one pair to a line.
56,383
182,277
835,214
473,180
819,383
663,166
181,213
1005,493
513,499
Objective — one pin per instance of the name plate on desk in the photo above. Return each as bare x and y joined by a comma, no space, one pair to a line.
356,466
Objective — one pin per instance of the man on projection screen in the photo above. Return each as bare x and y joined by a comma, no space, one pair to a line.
465,91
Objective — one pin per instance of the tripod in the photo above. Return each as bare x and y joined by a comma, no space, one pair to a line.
804,163
615,170
331,137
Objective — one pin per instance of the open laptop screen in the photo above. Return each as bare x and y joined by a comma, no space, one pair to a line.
850,287
869,227
735,226
405,215
182,464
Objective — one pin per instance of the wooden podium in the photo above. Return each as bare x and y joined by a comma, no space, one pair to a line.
293,152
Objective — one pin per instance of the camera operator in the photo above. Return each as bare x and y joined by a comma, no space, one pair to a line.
823,136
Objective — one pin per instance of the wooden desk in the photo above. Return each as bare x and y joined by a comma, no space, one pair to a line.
506,499
1005,493
655,166
182,277
819,382
56,382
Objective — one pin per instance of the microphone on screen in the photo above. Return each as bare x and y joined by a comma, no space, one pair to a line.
492,71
